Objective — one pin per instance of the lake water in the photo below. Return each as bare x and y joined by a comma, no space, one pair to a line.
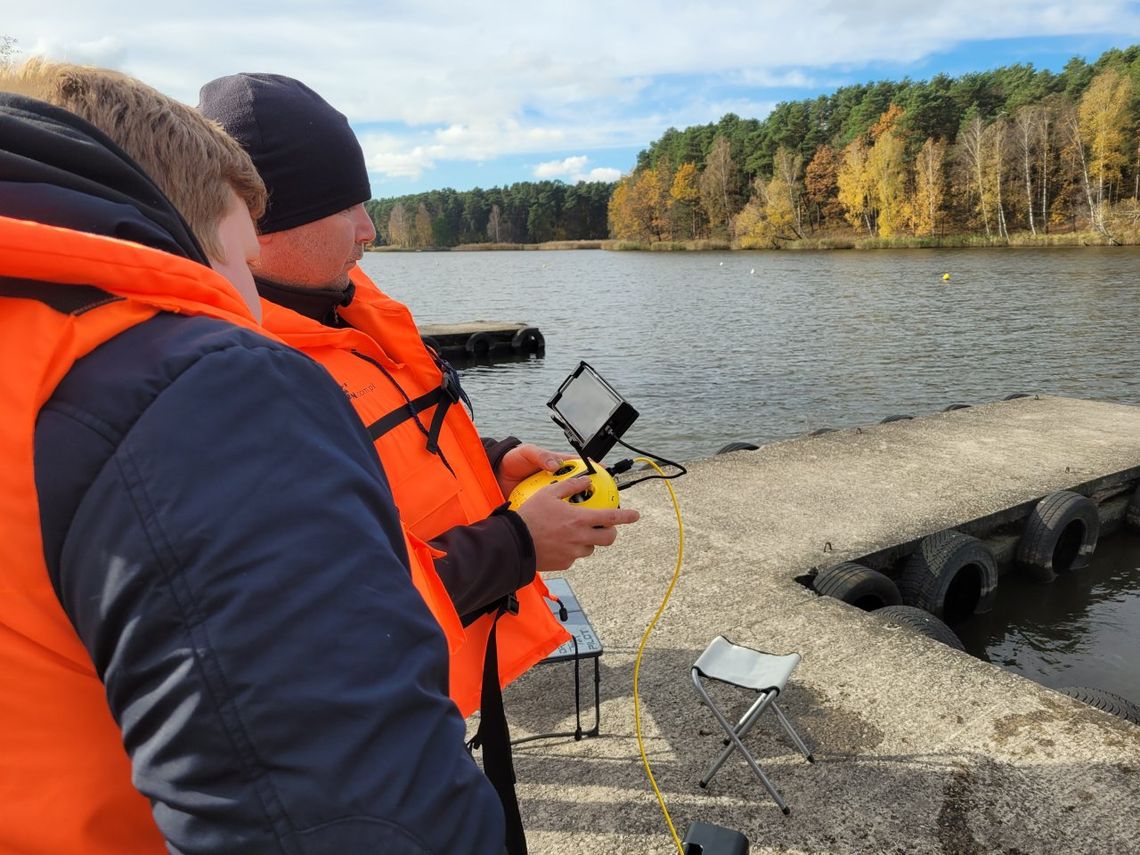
717,347
720,347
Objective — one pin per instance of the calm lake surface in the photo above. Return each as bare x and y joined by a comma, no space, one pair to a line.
720,347
717,347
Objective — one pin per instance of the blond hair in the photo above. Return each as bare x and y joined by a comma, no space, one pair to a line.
192,160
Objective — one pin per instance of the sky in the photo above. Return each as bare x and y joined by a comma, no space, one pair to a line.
450,94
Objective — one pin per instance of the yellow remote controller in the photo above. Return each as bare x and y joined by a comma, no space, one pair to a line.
603,491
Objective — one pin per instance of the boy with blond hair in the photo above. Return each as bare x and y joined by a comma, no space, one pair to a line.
257,648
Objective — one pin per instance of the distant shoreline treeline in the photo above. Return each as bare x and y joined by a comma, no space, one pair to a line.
1009,156
523,213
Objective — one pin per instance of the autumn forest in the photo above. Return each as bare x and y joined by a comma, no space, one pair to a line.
1013,155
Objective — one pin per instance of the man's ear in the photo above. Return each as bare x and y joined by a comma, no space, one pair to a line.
265,240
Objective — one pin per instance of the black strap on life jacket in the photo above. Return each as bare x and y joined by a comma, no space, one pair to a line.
441,397
66,299
494,737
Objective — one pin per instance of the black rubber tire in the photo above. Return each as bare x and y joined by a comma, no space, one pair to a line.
737,446
431,343
479,345
954,407
821,431
1133,516
528,340
951,575
890,419
1107,701
1060,535
858,586
922,622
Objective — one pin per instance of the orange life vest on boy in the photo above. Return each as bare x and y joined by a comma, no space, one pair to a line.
385,370
65,778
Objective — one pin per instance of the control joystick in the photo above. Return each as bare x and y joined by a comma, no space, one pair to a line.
602,492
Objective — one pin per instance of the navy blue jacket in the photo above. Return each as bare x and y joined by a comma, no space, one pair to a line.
279,683
219,532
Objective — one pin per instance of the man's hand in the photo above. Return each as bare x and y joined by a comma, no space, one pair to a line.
524,460
562,532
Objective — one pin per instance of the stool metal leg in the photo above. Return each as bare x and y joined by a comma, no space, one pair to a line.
792,733
742,727
737,744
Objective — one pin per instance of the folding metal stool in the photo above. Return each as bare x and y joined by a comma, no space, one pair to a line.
746,668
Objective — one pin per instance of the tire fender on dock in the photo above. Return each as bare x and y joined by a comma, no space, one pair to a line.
479,344
921,622
1106,701
1060,536
951,575
737,446
858,586
528,340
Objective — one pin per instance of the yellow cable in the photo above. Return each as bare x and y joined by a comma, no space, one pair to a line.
641,650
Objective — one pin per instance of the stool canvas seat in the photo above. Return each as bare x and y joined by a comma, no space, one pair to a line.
765,673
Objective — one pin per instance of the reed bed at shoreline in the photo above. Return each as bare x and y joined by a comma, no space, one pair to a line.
960,241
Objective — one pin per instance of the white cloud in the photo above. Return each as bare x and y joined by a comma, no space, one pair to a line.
573,169
106,51
601,173
475,82
561,168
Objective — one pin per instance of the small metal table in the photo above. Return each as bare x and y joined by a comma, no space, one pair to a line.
583,644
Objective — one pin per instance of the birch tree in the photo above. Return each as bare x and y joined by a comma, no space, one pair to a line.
929,187
398,232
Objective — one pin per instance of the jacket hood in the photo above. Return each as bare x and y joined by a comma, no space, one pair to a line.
59,170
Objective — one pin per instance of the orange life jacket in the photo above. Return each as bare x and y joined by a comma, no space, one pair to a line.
65,779
385,370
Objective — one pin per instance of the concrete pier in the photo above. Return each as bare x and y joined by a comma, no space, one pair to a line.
919,748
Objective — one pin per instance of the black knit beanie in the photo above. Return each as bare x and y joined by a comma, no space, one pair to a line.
304,149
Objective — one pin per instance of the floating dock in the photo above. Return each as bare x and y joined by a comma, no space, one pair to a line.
479,340
919,748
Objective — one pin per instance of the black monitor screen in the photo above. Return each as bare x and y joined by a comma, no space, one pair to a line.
586,405
593,415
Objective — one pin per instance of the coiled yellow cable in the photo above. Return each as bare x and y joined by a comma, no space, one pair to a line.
641,650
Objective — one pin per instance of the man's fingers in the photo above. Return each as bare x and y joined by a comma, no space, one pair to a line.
604,536
608,517
567,488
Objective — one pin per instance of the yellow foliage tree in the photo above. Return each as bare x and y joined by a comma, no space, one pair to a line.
652,203
887,179
623,225
929,187
769,217
423,226
718,183
856,187
639,207
1103,117
887,121
685,192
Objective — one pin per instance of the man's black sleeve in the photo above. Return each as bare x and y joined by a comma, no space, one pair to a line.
486,560
234,568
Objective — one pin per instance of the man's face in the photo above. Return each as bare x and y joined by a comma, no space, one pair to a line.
319,254
238,240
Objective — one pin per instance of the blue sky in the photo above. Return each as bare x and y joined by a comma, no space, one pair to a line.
444,94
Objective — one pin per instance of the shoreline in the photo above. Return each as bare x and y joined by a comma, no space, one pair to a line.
962,241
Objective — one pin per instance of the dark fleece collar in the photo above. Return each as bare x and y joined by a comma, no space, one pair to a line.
319,304
57,169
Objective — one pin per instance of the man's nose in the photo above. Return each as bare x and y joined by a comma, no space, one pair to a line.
365,229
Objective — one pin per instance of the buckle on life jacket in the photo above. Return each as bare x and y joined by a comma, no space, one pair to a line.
450,382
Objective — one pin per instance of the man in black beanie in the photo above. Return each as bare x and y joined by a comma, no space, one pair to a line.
449,485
